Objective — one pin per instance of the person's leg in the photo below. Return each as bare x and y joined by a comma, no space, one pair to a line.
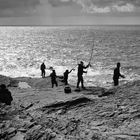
82,82
116,82
78,81
42,73
52,83
66,82
55,82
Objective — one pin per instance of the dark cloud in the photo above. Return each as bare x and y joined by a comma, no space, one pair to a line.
17,7
6,4
112,2
100,3
108,6
56,3
100,6
134,2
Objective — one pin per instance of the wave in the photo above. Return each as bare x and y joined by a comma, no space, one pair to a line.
24,49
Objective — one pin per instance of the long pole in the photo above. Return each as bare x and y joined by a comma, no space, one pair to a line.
91,53
89,58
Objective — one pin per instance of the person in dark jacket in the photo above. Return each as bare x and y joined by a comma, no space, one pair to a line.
81,68
117,74
53,78
42,68
5,95
66,73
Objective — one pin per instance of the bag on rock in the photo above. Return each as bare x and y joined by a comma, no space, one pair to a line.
67,89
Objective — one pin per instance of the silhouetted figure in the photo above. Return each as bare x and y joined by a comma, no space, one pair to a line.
53,78
5,95
81,68
66,73
42,68
117,74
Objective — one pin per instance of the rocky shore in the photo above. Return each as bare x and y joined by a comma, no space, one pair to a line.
39,112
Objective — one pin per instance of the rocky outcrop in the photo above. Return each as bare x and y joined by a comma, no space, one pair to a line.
113,115
8,81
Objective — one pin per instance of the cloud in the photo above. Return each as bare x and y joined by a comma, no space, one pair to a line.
133,2
56,3
17,7
106,6
124,8
6,4
89,7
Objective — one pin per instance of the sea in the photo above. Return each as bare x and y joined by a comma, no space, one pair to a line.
24,48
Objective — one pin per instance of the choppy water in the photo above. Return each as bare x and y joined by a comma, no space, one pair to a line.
22,50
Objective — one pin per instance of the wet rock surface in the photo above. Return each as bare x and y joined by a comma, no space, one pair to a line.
91,114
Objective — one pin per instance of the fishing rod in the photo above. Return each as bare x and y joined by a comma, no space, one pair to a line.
51,68
75,65
91,53
89,58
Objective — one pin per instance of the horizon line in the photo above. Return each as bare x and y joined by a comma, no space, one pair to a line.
80,25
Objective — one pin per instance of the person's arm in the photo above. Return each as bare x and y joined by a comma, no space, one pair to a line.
70,71
84,71
86,66
89,64
51,75
121,75
56,76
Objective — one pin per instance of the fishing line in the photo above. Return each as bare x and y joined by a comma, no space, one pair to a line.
91,55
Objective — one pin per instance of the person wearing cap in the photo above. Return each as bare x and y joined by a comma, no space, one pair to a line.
53,78
81,68
117,74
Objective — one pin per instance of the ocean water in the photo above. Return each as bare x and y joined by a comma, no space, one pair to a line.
23,49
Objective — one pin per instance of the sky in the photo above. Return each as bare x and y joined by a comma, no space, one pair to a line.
69,12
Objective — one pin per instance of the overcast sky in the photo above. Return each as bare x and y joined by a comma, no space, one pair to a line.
69,12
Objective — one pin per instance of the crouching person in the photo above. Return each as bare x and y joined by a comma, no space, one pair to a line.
53,78
5,95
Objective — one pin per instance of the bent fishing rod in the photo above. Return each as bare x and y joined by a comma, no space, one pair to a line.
89,58
51,68
91,53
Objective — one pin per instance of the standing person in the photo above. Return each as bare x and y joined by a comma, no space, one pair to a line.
117,74
81,68
5,95
53,78
42,68
66,73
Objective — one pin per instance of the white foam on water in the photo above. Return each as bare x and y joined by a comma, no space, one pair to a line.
94,77
21,72
132,77
23,85
60,69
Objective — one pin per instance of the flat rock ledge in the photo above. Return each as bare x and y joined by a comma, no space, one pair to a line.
113,115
